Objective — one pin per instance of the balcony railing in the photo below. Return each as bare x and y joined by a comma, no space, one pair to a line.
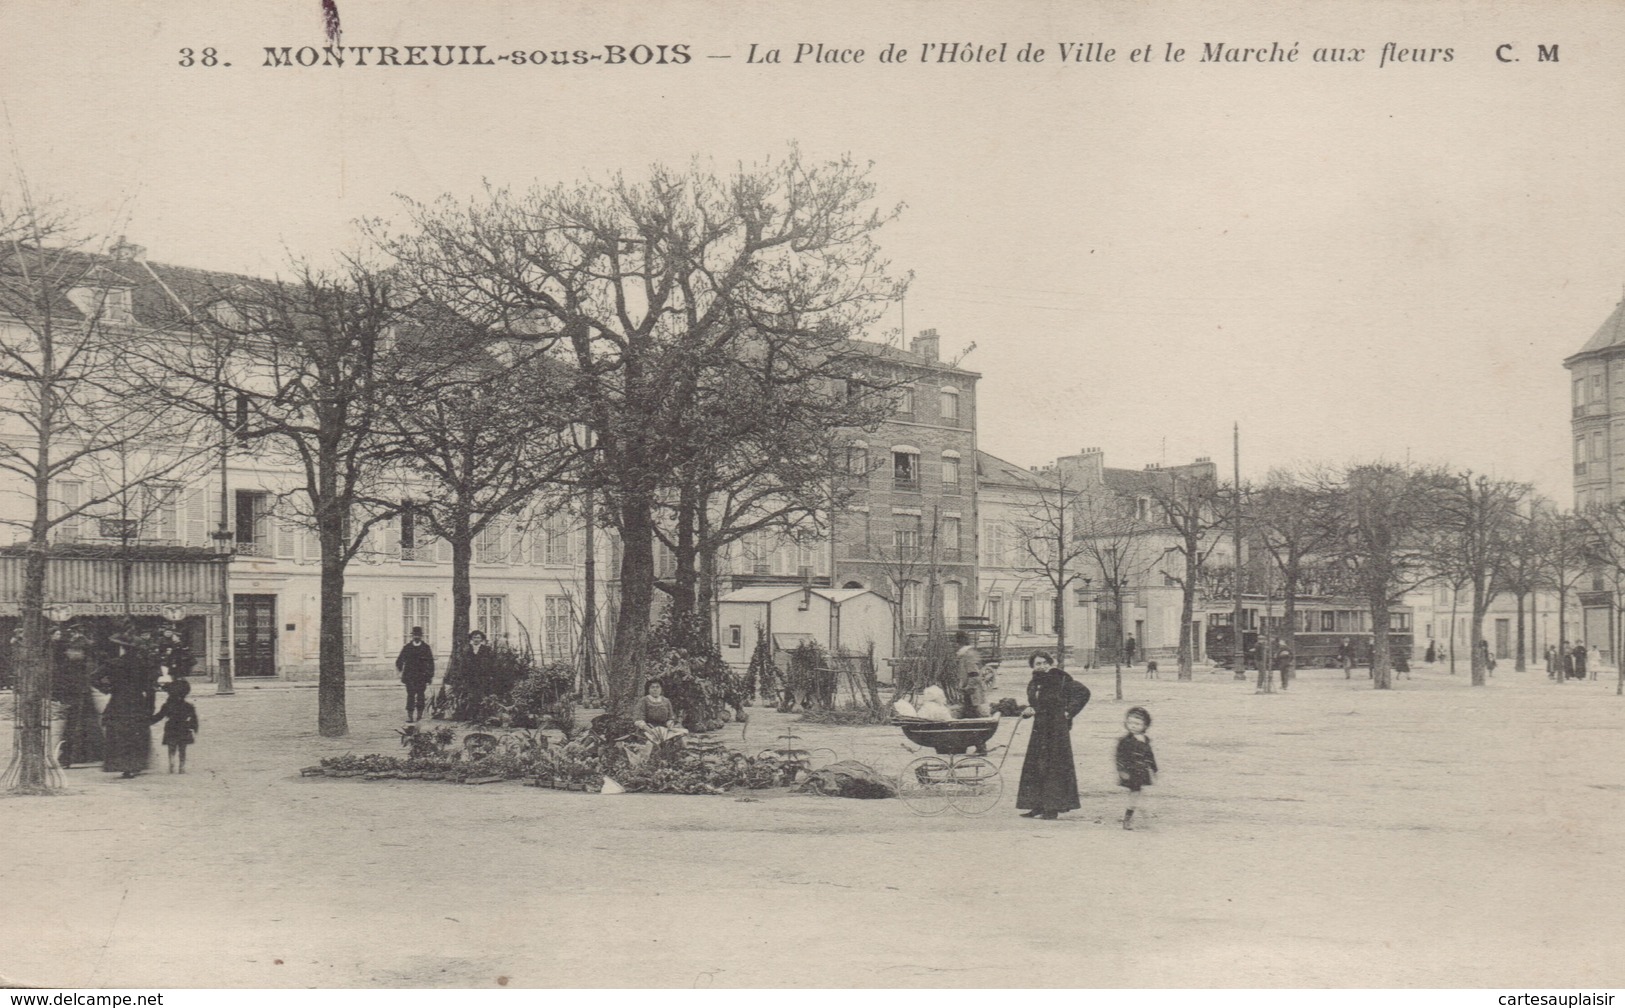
420,554
252,549
911,483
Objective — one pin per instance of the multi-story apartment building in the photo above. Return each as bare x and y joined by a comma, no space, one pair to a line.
1597,424
158,552
1018,561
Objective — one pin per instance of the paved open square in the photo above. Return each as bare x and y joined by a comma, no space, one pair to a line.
1331,835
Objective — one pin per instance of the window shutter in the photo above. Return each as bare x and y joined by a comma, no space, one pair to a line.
197,517
70,494
391,536
287,538
310,546
442,551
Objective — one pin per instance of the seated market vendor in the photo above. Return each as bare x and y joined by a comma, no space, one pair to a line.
655,714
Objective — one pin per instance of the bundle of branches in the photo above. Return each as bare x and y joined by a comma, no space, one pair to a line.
810,681
761,679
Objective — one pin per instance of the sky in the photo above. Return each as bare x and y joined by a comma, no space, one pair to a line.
1350,261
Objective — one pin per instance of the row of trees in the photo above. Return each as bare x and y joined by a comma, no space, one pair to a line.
1372,532
668,357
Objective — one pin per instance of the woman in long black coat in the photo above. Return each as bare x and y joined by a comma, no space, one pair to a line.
130,680
1049,781
82,733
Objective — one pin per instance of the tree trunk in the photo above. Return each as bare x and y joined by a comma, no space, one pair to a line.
1519,665
462,591
1382,676
1453,608
1481,655
31,758
626,670
331,721
1187,609
682,590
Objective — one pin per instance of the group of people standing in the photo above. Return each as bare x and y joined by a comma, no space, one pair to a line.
131,672
1569,662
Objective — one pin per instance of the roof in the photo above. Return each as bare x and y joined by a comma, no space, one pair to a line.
886,351
772,593
992,469
1610,334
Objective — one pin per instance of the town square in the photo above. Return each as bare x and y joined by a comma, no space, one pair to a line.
710,496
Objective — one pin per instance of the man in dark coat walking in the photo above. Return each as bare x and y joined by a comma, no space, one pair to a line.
1049,781
415,663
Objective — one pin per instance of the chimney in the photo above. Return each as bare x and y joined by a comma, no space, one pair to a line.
1082,471
126,252
926,344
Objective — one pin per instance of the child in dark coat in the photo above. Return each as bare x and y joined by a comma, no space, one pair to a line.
1136,764
181,727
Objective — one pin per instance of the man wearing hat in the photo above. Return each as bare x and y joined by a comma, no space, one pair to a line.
415,663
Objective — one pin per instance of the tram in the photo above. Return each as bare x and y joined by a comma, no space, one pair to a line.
1322,625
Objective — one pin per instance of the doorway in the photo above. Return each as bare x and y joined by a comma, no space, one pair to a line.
253,650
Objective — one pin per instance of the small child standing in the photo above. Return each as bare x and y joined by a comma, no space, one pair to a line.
181,727
1136,764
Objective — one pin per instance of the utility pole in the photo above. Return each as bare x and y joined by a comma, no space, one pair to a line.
1235,625
223,685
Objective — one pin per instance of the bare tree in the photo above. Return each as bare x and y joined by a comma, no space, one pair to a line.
1386,513
1052,550
475,435
1118,547
1473,526
310,363
1191,508
72,402
647,284
1295,522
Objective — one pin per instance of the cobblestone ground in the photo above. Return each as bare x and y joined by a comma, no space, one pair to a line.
1435,835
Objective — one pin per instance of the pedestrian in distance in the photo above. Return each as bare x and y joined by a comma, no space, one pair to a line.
1431,654
1345,658
180,722
1136,763
1129,647
1579,661
969,694
130,680
1049,780
415,664
1283,664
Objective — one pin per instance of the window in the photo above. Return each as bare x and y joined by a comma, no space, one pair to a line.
736,635
1599,390
417,611
253,522
160,512
913,606
71,494
352,645
558,628
950,473
950,405
1399,621
905,400
950,601
1597,454
857,462
905,470
862,535
1029,614
490,545
1328,621
491,617
416,543
906,532
1579,392
995,610
950,539
558,534
1579,456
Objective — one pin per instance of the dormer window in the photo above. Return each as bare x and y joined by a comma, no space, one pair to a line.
103,304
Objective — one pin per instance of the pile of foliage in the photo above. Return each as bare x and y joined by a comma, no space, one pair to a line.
703,689
507,691
762,677
612,747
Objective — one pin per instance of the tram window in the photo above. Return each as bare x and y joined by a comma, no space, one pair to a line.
1328,620
1399,621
